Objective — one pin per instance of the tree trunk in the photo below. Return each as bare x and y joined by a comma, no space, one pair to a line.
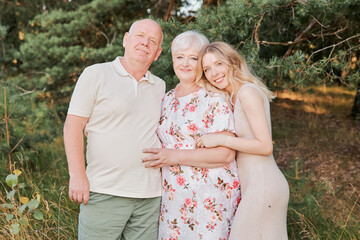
211,2
168,12
355,111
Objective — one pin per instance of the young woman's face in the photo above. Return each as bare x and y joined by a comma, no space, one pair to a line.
216,72
185,63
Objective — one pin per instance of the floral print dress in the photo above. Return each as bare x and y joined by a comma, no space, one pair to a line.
197,203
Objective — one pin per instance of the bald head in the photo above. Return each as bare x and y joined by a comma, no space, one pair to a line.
142,46
148,22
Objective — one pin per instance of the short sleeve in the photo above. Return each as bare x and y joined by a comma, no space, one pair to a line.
218,116
84,96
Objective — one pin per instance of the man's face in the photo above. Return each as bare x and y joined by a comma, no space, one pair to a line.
143,42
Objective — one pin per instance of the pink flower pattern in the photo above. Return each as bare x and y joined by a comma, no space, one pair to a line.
197,203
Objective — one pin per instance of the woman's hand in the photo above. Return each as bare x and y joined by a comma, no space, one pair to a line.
209,140
160,157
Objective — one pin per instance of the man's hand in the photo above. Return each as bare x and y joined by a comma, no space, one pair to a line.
79,188
160,157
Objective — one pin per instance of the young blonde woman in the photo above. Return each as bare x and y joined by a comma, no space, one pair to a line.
265,193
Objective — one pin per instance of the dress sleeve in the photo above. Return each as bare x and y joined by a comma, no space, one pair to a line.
218,117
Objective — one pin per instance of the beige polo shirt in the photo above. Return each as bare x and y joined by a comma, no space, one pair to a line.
123,117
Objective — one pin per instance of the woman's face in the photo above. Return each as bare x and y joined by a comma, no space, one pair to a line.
216,72
184,63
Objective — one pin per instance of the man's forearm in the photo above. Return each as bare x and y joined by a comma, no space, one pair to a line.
79,185
74,144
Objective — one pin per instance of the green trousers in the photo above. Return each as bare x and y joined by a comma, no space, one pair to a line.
112,217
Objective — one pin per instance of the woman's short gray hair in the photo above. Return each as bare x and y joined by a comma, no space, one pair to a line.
188,39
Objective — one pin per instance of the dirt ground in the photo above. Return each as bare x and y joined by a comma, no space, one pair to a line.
314,129
330,157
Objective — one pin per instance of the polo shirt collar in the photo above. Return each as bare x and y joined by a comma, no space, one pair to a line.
122,71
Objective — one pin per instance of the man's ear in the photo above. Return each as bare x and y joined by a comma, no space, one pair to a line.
126,36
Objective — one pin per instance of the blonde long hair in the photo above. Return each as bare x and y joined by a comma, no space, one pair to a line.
239,71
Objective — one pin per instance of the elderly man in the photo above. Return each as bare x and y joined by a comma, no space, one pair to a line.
118,105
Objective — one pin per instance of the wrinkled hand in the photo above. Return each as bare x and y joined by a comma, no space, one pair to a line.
79,188
160,157
208,141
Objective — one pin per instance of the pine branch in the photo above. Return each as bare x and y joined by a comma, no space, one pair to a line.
300,37
332,46
256,31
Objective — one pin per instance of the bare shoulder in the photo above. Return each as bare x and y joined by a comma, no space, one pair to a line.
250,95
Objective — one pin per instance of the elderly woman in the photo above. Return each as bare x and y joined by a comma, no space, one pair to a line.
200,186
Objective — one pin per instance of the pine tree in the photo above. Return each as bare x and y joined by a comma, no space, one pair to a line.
288,43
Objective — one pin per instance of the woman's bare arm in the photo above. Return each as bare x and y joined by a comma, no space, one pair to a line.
201,157
252,104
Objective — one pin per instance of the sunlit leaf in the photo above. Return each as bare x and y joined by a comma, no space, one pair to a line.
24,222
9,217
17,172
10,195
24,200
21,35
12,180
38,197
15,228
22,208
7,205
38,215
83,57
33,204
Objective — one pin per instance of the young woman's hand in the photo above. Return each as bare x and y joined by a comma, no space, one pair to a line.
210,140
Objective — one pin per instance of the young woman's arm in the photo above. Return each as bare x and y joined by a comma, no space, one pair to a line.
204,158
252,103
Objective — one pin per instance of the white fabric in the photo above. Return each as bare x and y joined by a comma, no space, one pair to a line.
122,122
197,203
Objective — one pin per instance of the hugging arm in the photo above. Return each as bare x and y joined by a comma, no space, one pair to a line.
252,103
200,157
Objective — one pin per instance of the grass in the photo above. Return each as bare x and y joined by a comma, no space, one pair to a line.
316,146
312,128
60,214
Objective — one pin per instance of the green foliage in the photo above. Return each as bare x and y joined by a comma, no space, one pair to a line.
39,209
19,212
355,111
15,16
33,124
60,44
45,45
307,210
12,180
3,32
309,42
